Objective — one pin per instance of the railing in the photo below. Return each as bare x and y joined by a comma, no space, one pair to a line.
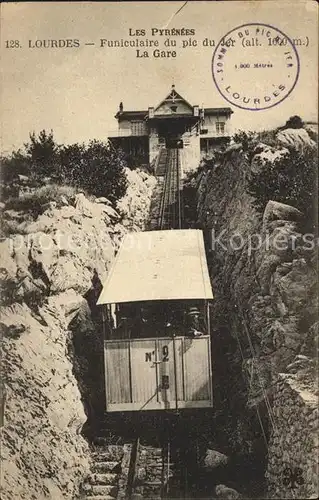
213,133
125,132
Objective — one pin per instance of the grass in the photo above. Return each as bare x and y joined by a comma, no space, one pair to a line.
34,203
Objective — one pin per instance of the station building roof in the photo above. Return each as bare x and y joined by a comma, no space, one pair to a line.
218,111
159,265
143,115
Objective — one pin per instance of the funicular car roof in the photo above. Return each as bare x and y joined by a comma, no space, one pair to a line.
159,265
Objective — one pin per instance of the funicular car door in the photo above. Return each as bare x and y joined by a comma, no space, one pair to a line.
144,377
153,373
171,373
184,372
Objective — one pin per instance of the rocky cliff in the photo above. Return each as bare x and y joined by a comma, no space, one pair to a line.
52,266
265,309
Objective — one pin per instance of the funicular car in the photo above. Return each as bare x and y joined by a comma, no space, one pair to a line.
156,323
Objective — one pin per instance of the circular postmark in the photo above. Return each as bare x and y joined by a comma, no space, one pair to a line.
255,66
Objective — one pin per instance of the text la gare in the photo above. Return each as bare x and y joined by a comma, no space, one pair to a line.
156,53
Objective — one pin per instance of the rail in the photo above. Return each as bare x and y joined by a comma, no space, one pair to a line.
132,473
170,213
149,471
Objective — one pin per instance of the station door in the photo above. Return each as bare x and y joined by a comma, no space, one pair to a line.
158,374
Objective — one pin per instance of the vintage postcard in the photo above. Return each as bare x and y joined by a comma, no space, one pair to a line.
159,286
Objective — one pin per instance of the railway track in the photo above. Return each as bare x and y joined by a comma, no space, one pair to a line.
152,473
163,462
135,469
170,212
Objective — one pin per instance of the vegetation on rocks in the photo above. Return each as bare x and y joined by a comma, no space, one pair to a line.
290,179
285,166
252,200
96,168
34,202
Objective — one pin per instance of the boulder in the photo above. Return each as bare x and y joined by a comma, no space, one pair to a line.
136,202
223,491
113,214
69,303
280,211
66,212
312,129
235,147
103,200
260,147
51,205
23,178
7,262
13,215
294,286
64,200
267,155
83,205
300,363
214,459
296,138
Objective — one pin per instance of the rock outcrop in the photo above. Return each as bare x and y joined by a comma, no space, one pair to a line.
293,461
213,459
263,273
227,493
297,138
48,273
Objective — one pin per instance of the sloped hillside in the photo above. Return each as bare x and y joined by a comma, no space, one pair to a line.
263,271
50,265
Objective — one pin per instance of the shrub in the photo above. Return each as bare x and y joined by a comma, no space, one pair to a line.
294,122
43,153
96,168
246,139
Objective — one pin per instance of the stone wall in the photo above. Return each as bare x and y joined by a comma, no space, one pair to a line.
293,449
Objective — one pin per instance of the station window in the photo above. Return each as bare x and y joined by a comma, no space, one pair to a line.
220,127
138,127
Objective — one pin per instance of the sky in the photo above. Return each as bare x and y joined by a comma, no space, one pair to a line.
76,91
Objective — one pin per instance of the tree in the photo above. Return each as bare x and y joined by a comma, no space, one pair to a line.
294,122
72,166
97,168
42,152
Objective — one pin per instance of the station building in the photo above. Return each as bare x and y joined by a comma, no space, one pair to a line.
173,123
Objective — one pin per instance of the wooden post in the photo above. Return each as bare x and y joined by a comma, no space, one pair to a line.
208,316
104,309
175,373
